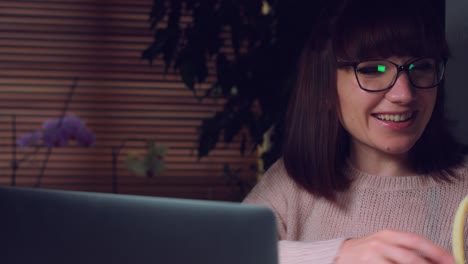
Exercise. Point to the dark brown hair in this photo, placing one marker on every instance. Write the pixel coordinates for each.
(316, 145)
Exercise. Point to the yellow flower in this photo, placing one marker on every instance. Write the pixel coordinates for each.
(265, 8)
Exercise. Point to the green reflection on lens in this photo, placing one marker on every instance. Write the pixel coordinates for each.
(411, 67)
(381, 68)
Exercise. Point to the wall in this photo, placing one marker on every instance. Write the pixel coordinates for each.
(457, 70)
(45, 45)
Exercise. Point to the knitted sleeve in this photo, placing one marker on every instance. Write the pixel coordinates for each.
(275, 190)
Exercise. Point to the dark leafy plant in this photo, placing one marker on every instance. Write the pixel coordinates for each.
(254, 78)
(233, 178)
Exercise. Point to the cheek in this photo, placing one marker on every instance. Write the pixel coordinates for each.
(349, 112)
(343, 111)
(344, 86)
(354, 104)
(429, 100)
(434, 98)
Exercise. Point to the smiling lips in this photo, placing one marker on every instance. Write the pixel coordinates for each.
(394, 117)
(396, 121)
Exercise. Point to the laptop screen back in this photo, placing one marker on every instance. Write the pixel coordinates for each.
(46, 226)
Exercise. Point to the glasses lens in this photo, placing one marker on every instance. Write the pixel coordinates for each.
(375, 75)
(426, 72)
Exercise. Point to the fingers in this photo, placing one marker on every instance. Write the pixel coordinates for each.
(393, 247)
(403, 256)
(419, 244)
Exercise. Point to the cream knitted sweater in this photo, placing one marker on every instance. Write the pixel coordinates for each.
(311, 230)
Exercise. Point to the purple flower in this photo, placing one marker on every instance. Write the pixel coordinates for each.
(30, 139)
(71, 125)
(57, 133)
(85, 137)
(54, 138)
(67, 126)
(50, 124)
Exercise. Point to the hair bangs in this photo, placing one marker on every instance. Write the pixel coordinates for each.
(402, 30)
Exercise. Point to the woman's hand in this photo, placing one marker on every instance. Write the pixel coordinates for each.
(394, 247)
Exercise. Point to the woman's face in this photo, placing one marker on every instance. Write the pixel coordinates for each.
(386, 122)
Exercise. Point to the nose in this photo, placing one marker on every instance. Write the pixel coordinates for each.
(402, 91)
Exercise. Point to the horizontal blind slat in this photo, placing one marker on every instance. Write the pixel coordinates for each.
(46, 45)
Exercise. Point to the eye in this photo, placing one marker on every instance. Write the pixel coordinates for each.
(422, 65)
(372, 68)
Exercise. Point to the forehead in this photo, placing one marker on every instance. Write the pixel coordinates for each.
(400, 60)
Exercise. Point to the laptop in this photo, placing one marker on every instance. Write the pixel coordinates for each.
(56, 227)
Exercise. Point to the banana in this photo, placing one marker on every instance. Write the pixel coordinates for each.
(458, 233)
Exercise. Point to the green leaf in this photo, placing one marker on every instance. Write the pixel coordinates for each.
(135, 165)
(158, 167)
(150, 164)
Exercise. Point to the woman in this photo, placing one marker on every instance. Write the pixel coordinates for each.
(370, 173)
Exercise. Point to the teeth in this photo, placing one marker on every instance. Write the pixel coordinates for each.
(395, 118)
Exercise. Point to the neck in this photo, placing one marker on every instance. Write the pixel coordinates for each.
(380, 164)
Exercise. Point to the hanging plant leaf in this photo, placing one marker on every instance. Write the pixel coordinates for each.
(233, 126)
(264, 56)
(170, 47)
(209, 133)
(201, 68)
(161, 38)
(207, 25)
(174, 14)
(188, 73)
(214, 92)
(158, 10)
(224, 74)
(207, 141)
(243, 145)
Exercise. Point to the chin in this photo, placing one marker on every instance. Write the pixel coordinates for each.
(398, 149)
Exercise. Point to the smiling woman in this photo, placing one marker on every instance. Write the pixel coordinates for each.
(385, 121)
(370, 172)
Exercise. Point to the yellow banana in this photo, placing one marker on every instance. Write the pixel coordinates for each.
(458, 233)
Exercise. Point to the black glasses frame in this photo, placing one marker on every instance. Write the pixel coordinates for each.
(400, 68)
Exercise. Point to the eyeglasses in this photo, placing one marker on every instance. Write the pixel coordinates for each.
(381, 75)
